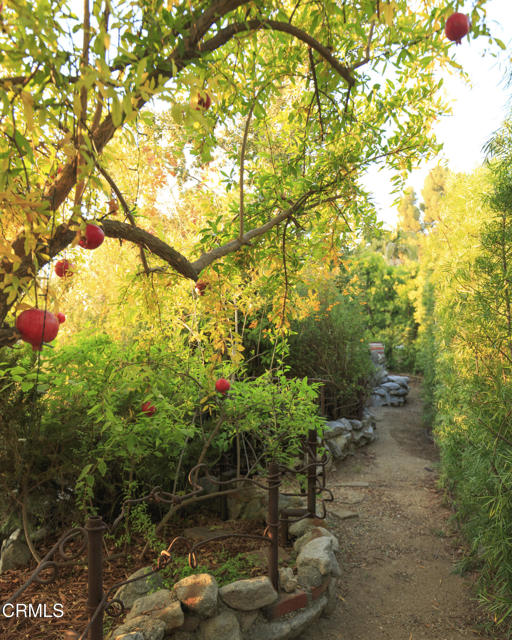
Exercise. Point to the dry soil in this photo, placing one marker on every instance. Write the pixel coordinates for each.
(399, 553)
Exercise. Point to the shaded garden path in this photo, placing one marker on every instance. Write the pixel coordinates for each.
(398, 554)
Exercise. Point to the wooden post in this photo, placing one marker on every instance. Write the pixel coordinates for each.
(312, 473)
(273, 524)
(95, 528)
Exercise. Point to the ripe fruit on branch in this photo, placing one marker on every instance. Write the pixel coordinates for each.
(37, 326)
(63, 268)
(456, 27)
(61, 318)
(200, 287)
(148, 408)
(94, 236)
(203, 101)
(222, 385)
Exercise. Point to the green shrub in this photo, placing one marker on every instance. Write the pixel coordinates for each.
(330, 345)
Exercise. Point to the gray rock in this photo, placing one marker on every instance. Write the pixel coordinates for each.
(14, 552)
(182, 635)
(357, 425)
(148, 629)
(133, 635)
(390, 386)
(250, 594)
(289, 502)
(249, 503)
(224, 626)
(332, 598)
(336, 428)
(397, 402)
(359, 438)
(191, 622)
(300, 527)
(309, 576)
(380, 391)
(399, 392)
(287, 581)
(130, 592)
(339, 445)
(247, 618)
(343, 514)
(312, 534)
(198, 594)
(162, 604)
(319, 554)
(401, 380)
(377, 401)
(289, 627)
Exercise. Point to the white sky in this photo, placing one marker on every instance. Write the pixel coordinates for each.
(478, 110)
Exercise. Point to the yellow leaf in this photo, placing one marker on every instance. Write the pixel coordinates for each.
(388, 11)
(28, 107)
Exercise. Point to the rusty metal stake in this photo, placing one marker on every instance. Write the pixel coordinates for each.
(312, 441)
(273, 524)
(95, 528)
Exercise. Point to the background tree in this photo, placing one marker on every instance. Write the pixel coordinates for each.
(409, 213)
(434, 190)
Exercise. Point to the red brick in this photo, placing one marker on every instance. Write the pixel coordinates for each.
(287, 602)
(316, 592)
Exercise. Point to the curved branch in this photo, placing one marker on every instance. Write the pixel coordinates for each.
(253, 25)
(219, 252)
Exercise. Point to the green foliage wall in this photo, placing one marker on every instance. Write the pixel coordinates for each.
(466, 349)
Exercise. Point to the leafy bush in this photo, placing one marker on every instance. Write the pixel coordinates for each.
(330, 345)
(271, 412)
(466, 345)
(90, 436)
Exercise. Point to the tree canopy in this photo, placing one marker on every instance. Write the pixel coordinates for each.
(303, 95)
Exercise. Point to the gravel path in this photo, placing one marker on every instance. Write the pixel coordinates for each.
(399, 552)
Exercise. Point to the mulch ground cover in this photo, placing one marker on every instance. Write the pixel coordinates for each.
(70, 585)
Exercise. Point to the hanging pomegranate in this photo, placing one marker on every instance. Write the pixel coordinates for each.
(148, 408)
(200, 287)
(94, 236)
(203, 101)
(37, 326)
(63, 268)
(457, 26)
(222, 385)
(61, 318)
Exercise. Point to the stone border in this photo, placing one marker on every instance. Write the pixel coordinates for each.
(251, 609)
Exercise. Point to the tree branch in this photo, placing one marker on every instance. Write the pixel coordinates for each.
(253, 25)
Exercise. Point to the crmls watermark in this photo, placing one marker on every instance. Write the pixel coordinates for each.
(22, 610)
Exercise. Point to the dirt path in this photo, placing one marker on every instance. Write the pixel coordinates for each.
(397, 556)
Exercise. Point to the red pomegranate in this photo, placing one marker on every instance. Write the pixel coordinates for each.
(203, 101)
(222, 385)
(37, 326)
(200, 287)
(63, 268)
(456, 27)
(61, 318)
(94, 236)
(148, 408)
